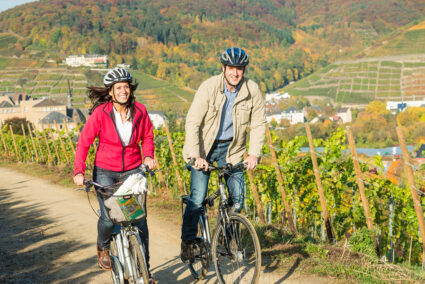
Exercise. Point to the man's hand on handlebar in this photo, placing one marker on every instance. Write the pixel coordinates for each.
(79, 179)
(251, 162)
(200, 163)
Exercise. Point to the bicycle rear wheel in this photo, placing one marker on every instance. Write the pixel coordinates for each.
(236, 251)
(139, 262)
(199, 267)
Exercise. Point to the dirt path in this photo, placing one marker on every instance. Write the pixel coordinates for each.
(48, 235)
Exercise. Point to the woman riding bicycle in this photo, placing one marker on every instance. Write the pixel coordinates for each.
(121, 124)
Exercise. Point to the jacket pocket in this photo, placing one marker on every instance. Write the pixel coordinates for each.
(211, 114)
(244, 114)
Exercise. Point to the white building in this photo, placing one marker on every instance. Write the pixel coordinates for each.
(293, 115)
(157, 118)
(400, 105)
(345, 114)
(90, 60)
(277, 97)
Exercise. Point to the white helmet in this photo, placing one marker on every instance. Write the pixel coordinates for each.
(117, 75)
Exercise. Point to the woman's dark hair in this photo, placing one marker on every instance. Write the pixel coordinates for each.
(100, 95)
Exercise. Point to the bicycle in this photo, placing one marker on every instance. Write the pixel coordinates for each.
(234, 248)
(127, 250)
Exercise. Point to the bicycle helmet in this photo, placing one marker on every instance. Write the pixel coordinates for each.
(117, 75)
(234, 56)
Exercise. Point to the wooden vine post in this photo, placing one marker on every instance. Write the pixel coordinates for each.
(359, 179)
(89, 165)
(25, 139)
(416, 201)
(280, 181)
(3, 140)
(69, 138)
(39, 145)
(14, 143)
(49, 153)
(254, 189)
(61, 142)
(33, 143)
(328, 225)
(161, 177)
(54, 144)
(173, 155)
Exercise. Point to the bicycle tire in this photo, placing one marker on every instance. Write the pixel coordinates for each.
(199, 267)
(117, 273)
(139, 262)
(236, 251)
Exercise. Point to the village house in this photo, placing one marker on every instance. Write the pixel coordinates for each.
(345, 114)
(157, 118)
(291, 114)
(90, 60)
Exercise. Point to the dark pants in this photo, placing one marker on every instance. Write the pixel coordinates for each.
(199, 189)
(105, 227)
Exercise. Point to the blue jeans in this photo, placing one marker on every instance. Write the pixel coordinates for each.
(199, 188)
(105, 227)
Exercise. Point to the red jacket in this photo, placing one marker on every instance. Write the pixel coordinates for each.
(111, 153)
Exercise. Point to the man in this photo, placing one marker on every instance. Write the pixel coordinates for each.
(216, 129)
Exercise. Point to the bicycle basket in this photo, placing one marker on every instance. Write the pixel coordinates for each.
(124, 208)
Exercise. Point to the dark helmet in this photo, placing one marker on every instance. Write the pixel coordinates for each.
(234, 56)
(117, 75)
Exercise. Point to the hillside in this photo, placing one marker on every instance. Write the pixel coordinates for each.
(45, 78)
(393, 70)
(180, 41)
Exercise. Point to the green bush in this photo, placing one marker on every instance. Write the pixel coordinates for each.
(362, 242)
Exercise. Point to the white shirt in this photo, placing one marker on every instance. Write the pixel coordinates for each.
(123, 128)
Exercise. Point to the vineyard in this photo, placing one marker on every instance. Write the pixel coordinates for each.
(330, 195)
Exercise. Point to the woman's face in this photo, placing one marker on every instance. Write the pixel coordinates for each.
(120, 92)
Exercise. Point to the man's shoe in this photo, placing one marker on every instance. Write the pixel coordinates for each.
(187, 254)
(104, 258)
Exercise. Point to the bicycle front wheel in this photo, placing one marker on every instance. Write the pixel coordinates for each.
(139, 263)
(236, 251)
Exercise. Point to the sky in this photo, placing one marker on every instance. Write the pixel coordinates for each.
(7, 4)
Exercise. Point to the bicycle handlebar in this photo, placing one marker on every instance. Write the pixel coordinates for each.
(227, 168)
(89, 183)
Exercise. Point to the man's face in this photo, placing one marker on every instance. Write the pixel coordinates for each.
(120, 92)
(233, 74)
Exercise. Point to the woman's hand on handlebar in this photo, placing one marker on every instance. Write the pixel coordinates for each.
(150, 163)
(79, 179)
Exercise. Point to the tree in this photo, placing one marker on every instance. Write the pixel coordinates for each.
(16, 123)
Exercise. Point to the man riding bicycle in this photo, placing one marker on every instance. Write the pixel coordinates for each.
(216, 129)
(121, 124)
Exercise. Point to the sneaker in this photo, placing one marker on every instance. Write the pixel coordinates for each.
(187, 254)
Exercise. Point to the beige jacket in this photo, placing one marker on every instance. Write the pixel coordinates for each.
(204, 116)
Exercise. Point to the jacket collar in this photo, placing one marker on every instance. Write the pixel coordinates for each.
(243, 89)
(109, 107)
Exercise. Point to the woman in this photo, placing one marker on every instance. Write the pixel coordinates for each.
(120, 123)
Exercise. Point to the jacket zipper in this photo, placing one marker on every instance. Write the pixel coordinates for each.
(112, 116)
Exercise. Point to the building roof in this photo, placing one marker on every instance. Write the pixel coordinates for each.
(55, 116)
(48, 102)
(343, 109)
(291, 110)
(5, 104)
